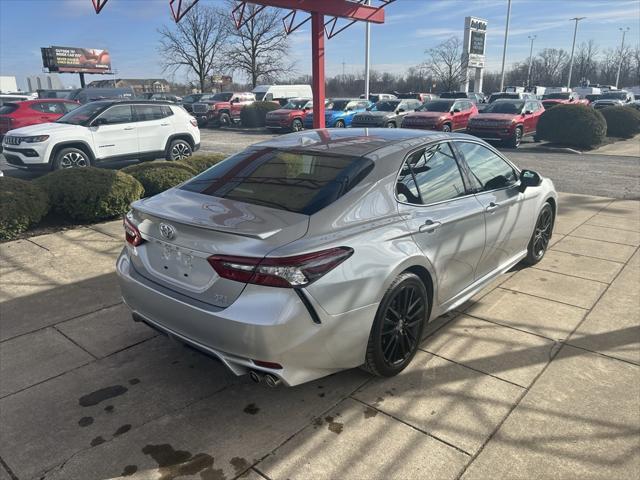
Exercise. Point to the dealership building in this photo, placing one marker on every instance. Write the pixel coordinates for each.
(139, 85)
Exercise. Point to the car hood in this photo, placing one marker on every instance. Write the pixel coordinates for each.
(426, 115)
(281, 112)
(378, 115)
(608, 101)
(44, 129)
(494, 116)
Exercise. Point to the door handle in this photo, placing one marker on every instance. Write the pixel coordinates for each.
(164, 124)
(129, 128)
(429, 226)
(492, 206)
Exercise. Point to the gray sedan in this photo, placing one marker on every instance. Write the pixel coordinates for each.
(385, 113)
(330, 249)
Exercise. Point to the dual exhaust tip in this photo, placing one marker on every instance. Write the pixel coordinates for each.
(270, 380)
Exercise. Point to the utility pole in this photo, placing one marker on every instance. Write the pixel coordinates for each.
(573, 47)
(624, 32)
(532, 38)
(343, 64)
(367, 48)
(504, 49)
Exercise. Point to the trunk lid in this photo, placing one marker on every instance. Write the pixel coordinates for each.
(182, 229)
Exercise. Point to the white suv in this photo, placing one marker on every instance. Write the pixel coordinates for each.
(105, 130)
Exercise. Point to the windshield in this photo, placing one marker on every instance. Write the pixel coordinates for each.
(295, 104)
(222, 97)
(386, 106)
(302, 182)
(497, 96)
(259, 95)
(504, 107)
(435, 106)
(339, 105)
(614, 95)
(80, 115)
(453, 95)
(556, 96)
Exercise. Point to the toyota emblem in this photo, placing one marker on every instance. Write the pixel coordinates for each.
(167, 231)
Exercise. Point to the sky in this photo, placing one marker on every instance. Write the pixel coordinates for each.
(128, 28)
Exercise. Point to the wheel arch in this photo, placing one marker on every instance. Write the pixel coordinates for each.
(79, 144)
(179, 136)
(425, 276)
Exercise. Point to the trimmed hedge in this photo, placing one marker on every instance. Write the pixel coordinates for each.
(621, 121)
(573, 125)
(138, 168)
(200, 163)
(158, 179)
(22, 204)
(90, 194)
(255, 114)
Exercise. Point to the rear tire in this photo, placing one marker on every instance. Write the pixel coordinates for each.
(446, 128)
(541, 236)
(179, 150)
(224, 120)
(70, 158)
(340, 124)
(296, 125)
(397, 328)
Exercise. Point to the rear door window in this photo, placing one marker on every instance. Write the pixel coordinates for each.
(301, 182)
(146, 113)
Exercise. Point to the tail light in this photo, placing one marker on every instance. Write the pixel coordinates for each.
(193, 121)
(286, 272)
(131, 233)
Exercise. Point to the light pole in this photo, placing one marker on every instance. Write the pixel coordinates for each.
(624, 32)
(504, 49)
(573, 47)
(532, 38)
(367, 49)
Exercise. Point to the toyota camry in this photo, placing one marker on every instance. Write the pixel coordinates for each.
(325, 250)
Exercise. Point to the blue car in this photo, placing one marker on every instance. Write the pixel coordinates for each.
(339, 112)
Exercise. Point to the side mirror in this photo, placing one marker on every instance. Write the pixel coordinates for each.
(100, 121)
(456, 110)
(528, 112)
(400, 110)
(529, 178)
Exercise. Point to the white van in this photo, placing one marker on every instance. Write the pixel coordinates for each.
(275, 93)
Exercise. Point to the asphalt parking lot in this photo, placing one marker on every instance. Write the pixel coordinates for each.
(536, 377)
(599, 174)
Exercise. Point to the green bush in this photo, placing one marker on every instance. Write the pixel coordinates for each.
(22, 204)
(621, 121)
(255, 114)
(200, 163)
(136, 169)
(573, 125)
(90, 194)
(161, 178)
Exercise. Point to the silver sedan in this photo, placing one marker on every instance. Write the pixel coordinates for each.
(330, 249)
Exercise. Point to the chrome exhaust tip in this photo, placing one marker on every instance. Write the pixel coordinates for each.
(271, 380)
(255, 376)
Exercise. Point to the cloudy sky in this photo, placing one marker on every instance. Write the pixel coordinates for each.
(128, 28)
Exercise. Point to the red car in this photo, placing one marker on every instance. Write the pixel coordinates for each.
(31, 112)
(507, 121)
(222, 109)
(446, 115)
(552, 99)
(291, 116)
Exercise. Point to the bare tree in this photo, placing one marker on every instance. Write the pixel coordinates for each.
(550, 65)
(196, 44)
(585, 60)
(259, 49)
(444, 63)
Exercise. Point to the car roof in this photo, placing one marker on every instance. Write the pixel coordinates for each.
(37, 100)
(355, 142)
(117, 101)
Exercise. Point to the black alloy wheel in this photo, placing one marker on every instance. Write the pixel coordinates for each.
(541, 236)
(446, 128)
(398, 326)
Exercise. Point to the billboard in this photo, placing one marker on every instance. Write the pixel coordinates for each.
(76, 60)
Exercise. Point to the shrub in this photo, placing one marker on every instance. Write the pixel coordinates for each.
(200, 163)
(90, 194)
(574, 125)
(621, 121)
(163, 177)
(136, 169)
(22, 204)
(255, 115)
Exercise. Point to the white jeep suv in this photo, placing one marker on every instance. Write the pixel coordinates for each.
(105, 130)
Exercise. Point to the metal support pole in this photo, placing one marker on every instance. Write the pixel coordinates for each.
(317, 58)
(82, 85)
(532, 38)
(624, 32)
(504, 49)
(367, 51)
(573, 48)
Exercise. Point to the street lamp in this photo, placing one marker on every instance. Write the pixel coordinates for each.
(624, 32)
(504, 49)
(573, 47)
(367, 54)
(532, 38)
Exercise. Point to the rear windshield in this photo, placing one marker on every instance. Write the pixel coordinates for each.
(496, 96)
(8, 108)
(301, 182)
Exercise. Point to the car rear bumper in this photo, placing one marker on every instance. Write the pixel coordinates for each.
(264, 323)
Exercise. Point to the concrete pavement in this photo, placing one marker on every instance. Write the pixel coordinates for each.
(538, 376)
